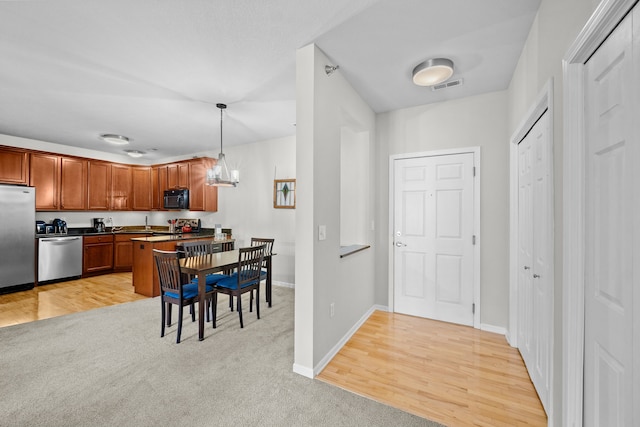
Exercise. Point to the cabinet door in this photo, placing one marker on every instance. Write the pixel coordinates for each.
(120, 187)
(158, 185)
(141, 188)
(73, 184)
(99, 185)
(123, 251)
(183, 175)
(14, 166)
(98, 254)
(44, 175)
(172, 176)
(197, 176)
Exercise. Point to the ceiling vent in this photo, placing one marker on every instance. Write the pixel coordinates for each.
(447, 85)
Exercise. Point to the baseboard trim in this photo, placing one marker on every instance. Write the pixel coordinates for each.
(303, 370)
(336, 348)
(495, 329)
(283, 284)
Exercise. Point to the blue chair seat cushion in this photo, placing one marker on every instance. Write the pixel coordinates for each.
(188, 291)
(212, 279)
(231, 282)
(263, 275)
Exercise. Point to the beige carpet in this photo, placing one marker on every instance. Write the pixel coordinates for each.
(109, 367)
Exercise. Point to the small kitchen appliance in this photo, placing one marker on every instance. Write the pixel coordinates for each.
(98, 224)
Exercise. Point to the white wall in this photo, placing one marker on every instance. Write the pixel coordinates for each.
(247, 209)
(555, 28)
(325, 105)
(474, 121)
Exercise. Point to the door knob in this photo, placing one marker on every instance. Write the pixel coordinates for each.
(400, 244)
(536, 276)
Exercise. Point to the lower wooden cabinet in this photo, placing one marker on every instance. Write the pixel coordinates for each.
(97, 254)
(123, 251)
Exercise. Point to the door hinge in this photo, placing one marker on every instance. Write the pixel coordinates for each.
(473, 239)
(473, 308)
(474, 171)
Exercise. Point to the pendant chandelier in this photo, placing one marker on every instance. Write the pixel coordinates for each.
(219, 175)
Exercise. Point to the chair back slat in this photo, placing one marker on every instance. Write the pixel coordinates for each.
(268, 246)
(198, 247)
(168, 271)
(249, 264)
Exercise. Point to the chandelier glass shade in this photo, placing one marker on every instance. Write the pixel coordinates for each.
(220, 175)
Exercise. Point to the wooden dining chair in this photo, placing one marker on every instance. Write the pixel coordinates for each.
(265, 272)
(246, 278)
(174, 289)
(203, 247)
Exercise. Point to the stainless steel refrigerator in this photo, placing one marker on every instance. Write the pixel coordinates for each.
(17, 244)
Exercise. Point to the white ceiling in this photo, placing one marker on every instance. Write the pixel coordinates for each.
(153, 70)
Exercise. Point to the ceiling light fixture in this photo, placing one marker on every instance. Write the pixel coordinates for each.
(134, 153)
(115, 139)
(219, 175)
(432, 71)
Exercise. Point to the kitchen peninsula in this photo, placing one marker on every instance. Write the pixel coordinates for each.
(145, 276)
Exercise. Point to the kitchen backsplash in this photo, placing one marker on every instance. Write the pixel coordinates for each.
(128, 218)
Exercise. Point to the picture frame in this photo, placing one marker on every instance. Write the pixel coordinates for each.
(284, 193)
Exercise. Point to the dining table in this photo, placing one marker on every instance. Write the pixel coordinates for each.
(201, 265)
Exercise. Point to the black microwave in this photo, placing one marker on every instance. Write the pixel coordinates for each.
(176, 199)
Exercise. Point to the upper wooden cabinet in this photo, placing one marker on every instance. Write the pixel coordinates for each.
(178, 175)
(44, 175)
(99, 184)
(78, 184)
(141, 188)
(121, 185)
(202, 197)
(14, 166)
(73, 183)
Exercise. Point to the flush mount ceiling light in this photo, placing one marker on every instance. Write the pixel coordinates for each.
(432, 71)
(134, 153)
(219, 175)
(115, 139)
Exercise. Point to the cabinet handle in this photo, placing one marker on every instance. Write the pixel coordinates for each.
(536, 276)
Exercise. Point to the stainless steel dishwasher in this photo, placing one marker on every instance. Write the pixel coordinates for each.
(59, 257)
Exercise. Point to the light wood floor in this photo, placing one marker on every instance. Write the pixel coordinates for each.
(455, 375)
(68, 297)
(451, 374)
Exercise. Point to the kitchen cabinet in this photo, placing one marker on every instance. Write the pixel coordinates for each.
(178, 175)
(123, 251)
(97, 254)
(14, 166)
(99, 185)
(121, 184)
(44, 174)
(141, 189)
(73, 183)
(158, 185)
(202, 197)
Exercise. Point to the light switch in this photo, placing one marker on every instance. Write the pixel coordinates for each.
(322, 232)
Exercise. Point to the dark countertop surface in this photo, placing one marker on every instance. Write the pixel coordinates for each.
(152, 231)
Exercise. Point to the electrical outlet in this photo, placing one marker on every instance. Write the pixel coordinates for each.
(333, 308)
(110, 220)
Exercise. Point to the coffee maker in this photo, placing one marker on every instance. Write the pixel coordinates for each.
(98, 224)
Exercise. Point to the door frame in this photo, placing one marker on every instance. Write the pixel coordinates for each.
(476, 220)
(604, 19)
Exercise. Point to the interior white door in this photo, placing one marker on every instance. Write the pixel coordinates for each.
(610, 219)
(433, 241)
(535, 240)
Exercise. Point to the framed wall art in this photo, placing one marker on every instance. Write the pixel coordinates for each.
(284, 193)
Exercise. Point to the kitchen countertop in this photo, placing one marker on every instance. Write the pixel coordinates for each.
(154, 231)
(182, 236)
